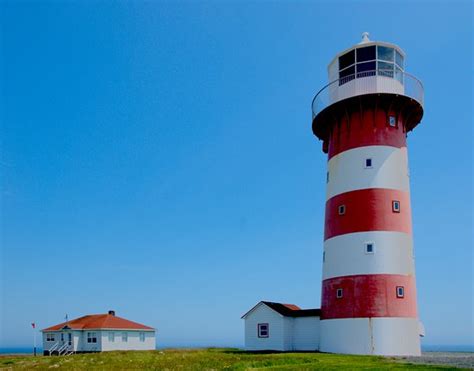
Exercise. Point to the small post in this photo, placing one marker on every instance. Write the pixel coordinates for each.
(34, 338)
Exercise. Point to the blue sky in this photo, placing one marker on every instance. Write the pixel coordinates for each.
(157, 159)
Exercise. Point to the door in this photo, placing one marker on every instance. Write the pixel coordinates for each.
(69, 339)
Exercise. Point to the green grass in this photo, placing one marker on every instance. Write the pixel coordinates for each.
(206, 359)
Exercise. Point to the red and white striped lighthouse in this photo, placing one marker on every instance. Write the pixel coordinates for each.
(363, 116)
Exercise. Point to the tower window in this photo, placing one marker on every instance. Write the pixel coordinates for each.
(392, 121)
(368, 163)
(341, 209)
(396, 206)
(327, 177)
(369, 248)
(400, 292)
(339, 293)
(263, 330)
(324, 256)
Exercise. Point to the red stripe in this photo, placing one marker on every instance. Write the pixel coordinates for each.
(368, 296)
(367, 210)
(368, 128)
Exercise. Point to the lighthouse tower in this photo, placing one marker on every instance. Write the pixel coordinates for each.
(363, 116)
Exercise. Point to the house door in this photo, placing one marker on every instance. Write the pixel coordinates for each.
(69, 339)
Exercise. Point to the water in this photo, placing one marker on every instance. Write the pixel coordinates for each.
(20, 350)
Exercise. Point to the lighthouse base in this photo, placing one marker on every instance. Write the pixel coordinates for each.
(378, 336)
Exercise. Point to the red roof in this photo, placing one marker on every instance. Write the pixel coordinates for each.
(99, 321)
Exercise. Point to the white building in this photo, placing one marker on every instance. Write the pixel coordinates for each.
(281, 327)
(97, 333)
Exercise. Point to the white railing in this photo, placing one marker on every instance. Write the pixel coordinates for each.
(53, 348)
(368, 82)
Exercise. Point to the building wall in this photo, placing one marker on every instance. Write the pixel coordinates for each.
(285, 333)
(80, 344)
(133, 341)
(306, 333)
(380, 336)
(277, 327)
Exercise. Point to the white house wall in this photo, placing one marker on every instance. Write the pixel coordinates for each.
(263, 314)
(133, 341)
(306, 333)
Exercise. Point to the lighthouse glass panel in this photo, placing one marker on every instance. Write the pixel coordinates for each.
(399, 59)
(385, 53)
(385, 69)
(366, 54)
(365, 69)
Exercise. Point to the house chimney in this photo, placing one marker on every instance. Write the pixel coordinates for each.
(112, 312)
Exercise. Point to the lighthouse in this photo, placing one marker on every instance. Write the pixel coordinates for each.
(363, 116)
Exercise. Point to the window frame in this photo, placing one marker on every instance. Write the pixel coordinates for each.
(111, 337)
(371, 166)
(50, 336)
(392, 119)
(366, 245)
(400, 294)
(341, 209)
(91, 337)
(339, 293)
(259, 330)
(396, 206)
(141, 336)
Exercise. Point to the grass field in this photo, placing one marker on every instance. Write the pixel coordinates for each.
(206, 359)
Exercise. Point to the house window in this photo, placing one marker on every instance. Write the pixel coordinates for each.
(341, 209)
(396, 206)
(368, 163)
(49, 337)
(262, 329)
(111, 336)
(124, 336)
(339, 293)
(392, 121)
(92, 337)
(400, 292)
(62, 336)
(142, 336)
(369, 248)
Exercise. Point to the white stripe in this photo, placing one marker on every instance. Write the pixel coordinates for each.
(378, 335)
(348, 171)
(346, 254)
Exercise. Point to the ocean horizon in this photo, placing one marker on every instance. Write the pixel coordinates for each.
(424, 348)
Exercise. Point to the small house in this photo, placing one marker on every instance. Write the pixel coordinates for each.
(97, 333)
(281, 327)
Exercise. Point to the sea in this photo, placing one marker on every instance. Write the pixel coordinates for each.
(424, 348)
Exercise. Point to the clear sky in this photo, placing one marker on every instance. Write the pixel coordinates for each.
(157, 159)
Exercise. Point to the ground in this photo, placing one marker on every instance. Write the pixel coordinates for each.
(211, 359)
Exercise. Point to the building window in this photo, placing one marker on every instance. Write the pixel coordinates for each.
(324, 256)
(62, 336)
(327, 177)
(396, 206)
(341, 209)
(111, 336)
(339, 293)
(49, 337)
(368, 163)
(392, 121)
(142, 336)
(263, 330)
(369, 248)
(400, 292)
(91, 337)
(124, 336)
